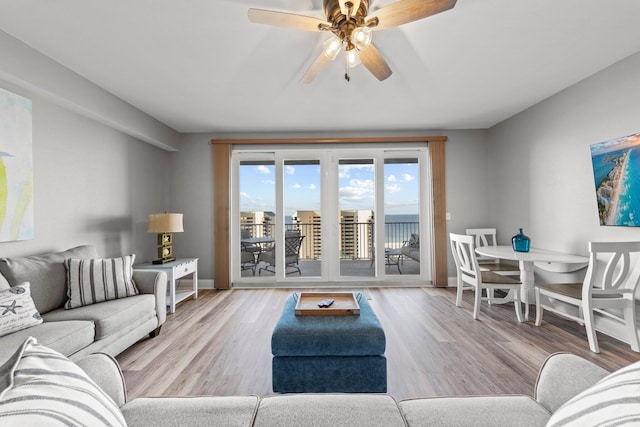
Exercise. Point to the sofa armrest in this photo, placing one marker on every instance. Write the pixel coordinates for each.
(563, 376)
(154, 282)
(191, 411)
(105, 371)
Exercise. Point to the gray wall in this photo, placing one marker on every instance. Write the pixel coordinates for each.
(92, 185)
(540, 172)
(95, 180)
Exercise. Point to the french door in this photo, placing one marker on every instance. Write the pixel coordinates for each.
(361, 216)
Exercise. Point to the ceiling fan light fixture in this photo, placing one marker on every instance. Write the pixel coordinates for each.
(361, 37)
(353, 59)
(332, 47)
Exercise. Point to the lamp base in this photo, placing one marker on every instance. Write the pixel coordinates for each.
(162, 260)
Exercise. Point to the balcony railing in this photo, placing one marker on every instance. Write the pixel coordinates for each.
(356, 238)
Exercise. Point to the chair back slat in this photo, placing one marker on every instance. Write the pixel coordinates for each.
(610, 267)
(463, 249)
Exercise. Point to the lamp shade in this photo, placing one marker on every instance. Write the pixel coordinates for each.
(164, 223)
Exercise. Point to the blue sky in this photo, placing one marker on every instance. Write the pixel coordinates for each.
(302, 188)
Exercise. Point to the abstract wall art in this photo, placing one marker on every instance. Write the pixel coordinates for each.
(16, 167)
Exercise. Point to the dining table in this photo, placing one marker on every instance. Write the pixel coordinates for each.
(556, 261)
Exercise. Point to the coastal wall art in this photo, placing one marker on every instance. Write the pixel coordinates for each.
(616, 171)
(16, 167)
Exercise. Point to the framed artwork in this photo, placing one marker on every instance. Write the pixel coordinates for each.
(16, 167)
(616, 172)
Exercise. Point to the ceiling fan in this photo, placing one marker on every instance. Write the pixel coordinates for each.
(352, 29)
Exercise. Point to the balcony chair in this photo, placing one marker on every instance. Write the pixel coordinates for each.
(249, 247)
(487, 237)
(469, 276)
(248, 259)
(605, 301)
(292, 243)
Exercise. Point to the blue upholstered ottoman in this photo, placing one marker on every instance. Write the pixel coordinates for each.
(324, 354)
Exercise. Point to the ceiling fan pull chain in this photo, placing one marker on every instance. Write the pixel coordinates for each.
(347, 77)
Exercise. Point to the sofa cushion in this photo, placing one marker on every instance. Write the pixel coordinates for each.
(614, 400)
(90, 281)
(17, 310)
(474, 411)
(42, 387)
(46, 273)
(329, 410)
(3, 283)
(227, 411)
(63, 337)
(110, 317)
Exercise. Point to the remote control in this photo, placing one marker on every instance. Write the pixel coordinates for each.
(325, 303)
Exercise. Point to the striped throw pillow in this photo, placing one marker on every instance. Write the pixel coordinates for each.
(41, 387)
(613, 401)
(90, 281)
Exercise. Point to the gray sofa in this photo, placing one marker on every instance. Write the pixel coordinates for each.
(561, 377)
(108, 327)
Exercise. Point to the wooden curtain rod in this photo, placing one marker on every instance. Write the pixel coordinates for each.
(330, 140)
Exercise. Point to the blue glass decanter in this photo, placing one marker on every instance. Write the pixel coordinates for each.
(521, 242)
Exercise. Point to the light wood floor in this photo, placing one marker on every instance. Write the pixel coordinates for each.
(220, 344)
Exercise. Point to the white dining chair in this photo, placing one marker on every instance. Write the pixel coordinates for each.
(605, 301)
(469, 275)
(487, 237)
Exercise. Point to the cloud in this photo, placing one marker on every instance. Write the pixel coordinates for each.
(363, 183)
(290, 170)
(263, 169)
(310, 187)
(296, 186)
(406, 177)
(268, 181)
(358, 189)
(245, 195)
(392, 178)
(344, 171)
(394, 188)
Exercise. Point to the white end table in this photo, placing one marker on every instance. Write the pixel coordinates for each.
(177, 269)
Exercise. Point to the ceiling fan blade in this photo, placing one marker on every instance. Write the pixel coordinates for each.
(405, 11)
(286, 20)
(373, 60)
(317, 66)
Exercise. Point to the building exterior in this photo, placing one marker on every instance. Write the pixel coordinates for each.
(259, 224)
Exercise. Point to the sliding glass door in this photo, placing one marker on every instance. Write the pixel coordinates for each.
(330, 217)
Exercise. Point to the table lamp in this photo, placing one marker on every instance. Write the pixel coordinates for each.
(164, 224)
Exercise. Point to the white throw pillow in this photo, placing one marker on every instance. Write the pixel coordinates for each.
(614, 400)
(90, 281)
(17, 310)
(41, 387)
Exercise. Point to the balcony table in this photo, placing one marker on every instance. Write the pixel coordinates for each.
(527, 260)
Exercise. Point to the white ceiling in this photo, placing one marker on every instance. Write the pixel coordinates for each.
(201, 66)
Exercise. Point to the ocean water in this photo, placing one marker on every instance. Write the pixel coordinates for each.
(628, 212)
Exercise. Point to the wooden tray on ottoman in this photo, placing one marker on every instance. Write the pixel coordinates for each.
(345, 304)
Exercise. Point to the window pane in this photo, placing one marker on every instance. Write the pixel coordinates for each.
(401, 213)
(356, 204)
(257, 217)
(303, 216)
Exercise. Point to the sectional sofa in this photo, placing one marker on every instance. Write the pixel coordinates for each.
(110, 326)
(569, 391)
